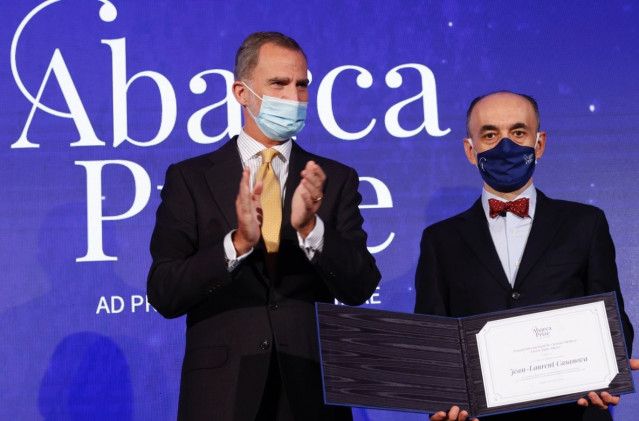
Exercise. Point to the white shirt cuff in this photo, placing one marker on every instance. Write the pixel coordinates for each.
(232, 259)
(314, 242)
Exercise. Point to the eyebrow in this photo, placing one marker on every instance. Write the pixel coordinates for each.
(487, 128)
(278, 79)
(519, 126)
(303, 82)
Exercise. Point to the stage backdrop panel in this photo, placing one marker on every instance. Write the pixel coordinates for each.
(98, 97)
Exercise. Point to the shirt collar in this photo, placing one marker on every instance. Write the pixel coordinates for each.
(530, 193)
(250, 148)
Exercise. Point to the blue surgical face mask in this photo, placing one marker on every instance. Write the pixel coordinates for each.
(508, 166)
(279, 119)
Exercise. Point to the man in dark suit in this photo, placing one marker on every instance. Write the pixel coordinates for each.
(251, 340)
(516, 247)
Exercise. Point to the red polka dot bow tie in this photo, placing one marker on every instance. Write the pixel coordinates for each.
(519, 207)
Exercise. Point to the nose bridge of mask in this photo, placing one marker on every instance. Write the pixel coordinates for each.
(512, 142)
(285, 101)
(508, 146)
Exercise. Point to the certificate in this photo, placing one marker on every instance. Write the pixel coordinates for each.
(486, 364)
(545, 354)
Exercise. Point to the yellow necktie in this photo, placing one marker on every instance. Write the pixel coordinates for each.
(271, 208)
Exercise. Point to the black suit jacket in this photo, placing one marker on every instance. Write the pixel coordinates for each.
(235, 319)
(569, 254)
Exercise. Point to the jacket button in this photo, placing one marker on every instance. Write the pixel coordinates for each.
(516, 295)
(275, 306)
(265, 344)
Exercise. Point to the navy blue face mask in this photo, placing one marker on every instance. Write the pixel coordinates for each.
(508, 166)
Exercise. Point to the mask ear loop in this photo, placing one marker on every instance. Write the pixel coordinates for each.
(252, 91)
(474, 151)
(535, 147)
(246, 106)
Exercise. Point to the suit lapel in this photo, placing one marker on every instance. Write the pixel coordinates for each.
(474, 230)
(223, 179)
(543, 230)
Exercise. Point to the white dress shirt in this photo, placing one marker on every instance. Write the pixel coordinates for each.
(510, 232)
(249, 150)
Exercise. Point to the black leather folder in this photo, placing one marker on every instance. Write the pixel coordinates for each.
(420, 363)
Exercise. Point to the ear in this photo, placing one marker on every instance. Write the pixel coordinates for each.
(240, 93)
(541, 145)
(470, 152)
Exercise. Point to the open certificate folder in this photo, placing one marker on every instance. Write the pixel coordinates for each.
(487, 364)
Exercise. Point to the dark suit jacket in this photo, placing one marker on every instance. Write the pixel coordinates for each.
(569, 254)
(236, 319)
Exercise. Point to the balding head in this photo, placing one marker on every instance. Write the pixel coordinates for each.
(474, 102)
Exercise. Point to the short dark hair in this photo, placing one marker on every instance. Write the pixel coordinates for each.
(474, 102)
(249, 52)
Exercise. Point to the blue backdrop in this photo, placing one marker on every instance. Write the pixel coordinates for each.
(100, 96)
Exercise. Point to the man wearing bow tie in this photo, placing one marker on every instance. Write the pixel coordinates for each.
(515, 247)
